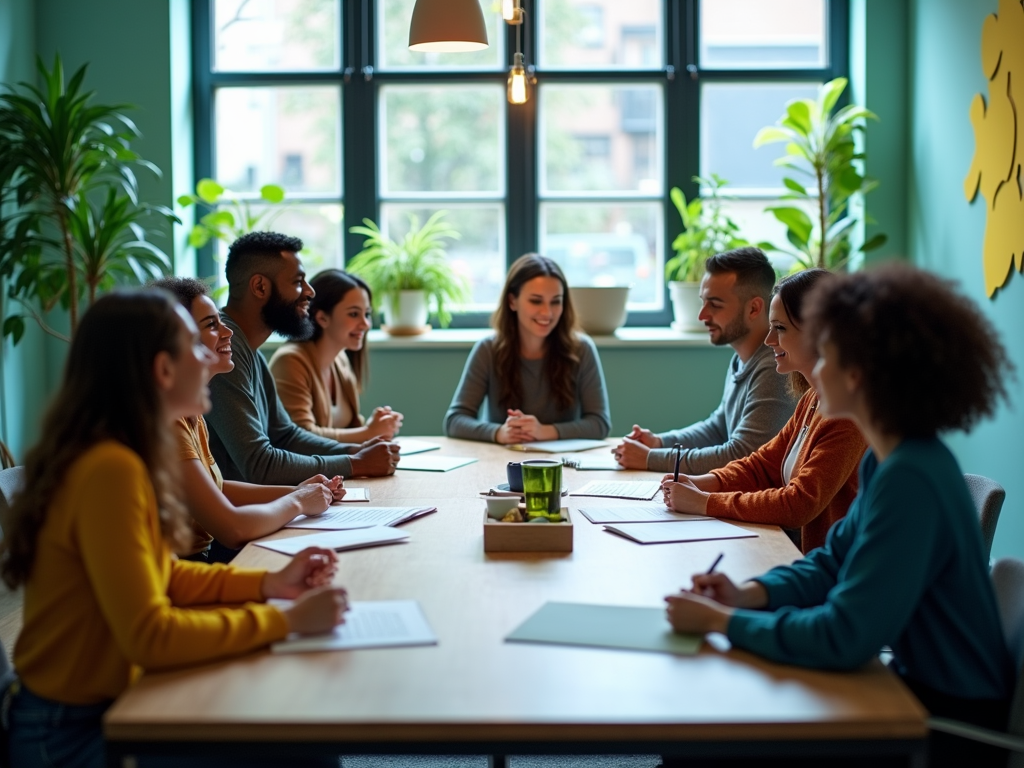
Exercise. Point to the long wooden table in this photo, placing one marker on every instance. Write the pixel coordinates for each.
(475, 694)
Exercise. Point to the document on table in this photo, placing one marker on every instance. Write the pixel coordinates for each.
(355, 494)
(369, 624)
(604, 626)
(666, 533)
(560, 446)
(434, 463)
(336, 540)
(346, 518)
(652, 513)
(641, 490)
(584, 463)
(407, 447)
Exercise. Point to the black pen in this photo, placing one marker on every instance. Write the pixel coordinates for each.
(679, 456)
(715, 564)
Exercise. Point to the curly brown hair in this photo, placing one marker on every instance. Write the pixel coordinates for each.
(929, 358)
(108, 392)
(562, 347)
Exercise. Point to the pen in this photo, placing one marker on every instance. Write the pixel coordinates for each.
(715, 564)
(679, 456)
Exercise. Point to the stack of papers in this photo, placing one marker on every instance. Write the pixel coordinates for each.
(560, 446)
(371, 624)
(600, 463)
(624, 489)
(407, 447)
(637, 514)
(347, 518)
(666, 533)
(433, 463)
(336, 540)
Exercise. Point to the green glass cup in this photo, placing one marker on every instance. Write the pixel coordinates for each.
(542, 485)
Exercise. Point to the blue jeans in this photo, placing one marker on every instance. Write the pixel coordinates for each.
(48, 734)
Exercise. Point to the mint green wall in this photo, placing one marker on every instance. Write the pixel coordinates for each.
(657, 388)
(946, 232)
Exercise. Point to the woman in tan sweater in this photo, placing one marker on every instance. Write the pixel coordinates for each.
(319, 381)
(806, 477)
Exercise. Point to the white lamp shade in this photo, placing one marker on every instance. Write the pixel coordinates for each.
(447, 25)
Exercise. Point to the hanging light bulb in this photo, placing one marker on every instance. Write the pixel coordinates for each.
(517, 86)
(508, 10)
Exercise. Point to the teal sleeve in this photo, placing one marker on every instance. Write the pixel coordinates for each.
(879, 581)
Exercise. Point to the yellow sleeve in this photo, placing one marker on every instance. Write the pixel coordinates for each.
(130, 572)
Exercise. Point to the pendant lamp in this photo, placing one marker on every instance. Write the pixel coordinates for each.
(447, 25)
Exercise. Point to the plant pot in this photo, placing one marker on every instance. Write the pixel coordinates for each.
(686, 305)
(406, 313)
(600, 311)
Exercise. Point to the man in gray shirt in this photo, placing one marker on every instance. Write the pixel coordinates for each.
(252, 437)
(755, 405)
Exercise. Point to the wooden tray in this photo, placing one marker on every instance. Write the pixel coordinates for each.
(528, 537)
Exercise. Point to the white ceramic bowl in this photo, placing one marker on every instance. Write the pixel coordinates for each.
(499, 506)
(600, 311)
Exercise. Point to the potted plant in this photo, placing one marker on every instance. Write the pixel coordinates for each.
(76, 226)
(820, 146)
(411, 278)
(228, 215)
(706, 231)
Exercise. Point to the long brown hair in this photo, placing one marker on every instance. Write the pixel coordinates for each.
(792, 291)
(561, 349)
(108, 393)
(331, 286)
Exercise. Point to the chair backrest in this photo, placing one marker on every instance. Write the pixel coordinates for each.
(12, 481)
(988, 498)
(1008, 581)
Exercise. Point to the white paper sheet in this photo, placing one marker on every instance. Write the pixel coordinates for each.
(369, 624)
(638, 514)
(560, 446)
(641, 490)
(355, 494)
(336, 540)
(666, 533)
(593, 463)
(406, 447)
(433, 463)
(346, 518)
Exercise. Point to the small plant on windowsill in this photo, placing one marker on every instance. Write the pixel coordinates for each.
(411, 277)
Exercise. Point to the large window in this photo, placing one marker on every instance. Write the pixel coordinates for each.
(631, 98)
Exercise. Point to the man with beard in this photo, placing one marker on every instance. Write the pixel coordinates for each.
(252, 437)
(735, 292)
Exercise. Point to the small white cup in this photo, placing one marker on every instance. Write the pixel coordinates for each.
(499, 506)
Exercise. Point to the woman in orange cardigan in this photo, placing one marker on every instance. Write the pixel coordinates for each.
(319, 380)
(806, 477)
(90, 540)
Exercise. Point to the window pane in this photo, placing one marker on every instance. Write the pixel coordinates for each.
(731, 115)
(758, 226)
(288, 136)
(319, 226)
(763, 34)
(393, 17)
(276, 35)
(601, 34)
(601, 138)
(607, 244)
(442, 139)
(478, 255)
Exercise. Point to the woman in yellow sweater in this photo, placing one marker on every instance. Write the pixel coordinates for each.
(91, 536)
(226, 514)
(319, 380)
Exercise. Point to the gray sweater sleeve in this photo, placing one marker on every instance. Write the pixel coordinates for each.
(462, 417)
(595, 419)
(267, 448)
(764, 412)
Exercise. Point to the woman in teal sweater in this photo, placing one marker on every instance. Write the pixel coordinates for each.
(905, 357)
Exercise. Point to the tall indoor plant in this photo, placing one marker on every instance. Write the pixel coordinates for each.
(410, 277)
(820, 147)
(72, 223)
(706, 231)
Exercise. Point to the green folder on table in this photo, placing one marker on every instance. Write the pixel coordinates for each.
(604, 626)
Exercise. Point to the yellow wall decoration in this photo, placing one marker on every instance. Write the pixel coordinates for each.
(997, 170)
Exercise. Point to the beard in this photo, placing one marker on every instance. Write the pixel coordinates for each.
(283, 317)
(734, 331)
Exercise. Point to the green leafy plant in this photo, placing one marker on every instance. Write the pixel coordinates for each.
(820, 147)
(73, 223)
(230, 216)
(417, 263)
(706, 231)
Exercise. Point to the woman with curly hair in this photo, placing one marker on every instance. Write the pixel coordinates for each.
(541, 377)
(906, 358)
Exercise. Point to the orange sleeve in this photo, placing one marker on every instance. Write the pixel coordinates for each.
(833, 452)
(127, 564)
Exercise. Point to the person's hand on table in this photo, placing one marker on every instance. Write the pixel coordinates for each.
(375, 458)
(631, 453)
(720, 588)
(528, 427)
(318, 611)
(336, 485)
(384, 422)
(510, 432)
(313, 567)
(684, 496)
(312, 499)
(696, 615)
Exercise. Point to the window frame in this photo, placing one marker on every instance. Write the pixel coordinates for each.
(359, 79)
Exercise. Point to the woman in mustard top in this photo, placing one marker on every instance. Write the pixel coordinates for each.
(91, 536)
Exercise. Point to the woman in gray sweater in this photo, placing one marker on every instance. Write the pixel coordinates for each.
(542, 379)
